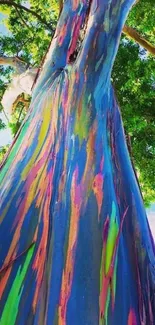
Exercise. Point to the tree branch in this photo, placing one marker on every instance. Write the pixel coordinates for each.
(18, 64)
(19, 6)
(60, 6)
(22, 19)
(3, 110)
(133, 34)
(6, 60)
(21, 99)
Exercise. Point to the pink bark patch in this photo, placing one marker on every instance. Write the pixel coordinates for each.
(62, 34)
(98, 191)
(76, 27)
(132, 318)
(75, 4)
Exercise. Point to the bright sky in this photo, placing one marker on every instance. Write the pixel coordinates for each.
(5, 138)
(5, 135)
(3, 29)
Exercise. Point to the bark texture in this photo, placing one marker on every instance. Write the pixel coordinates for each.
(76, 248)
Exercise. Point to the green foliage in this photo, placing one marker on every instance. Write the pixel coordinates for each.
(133, 74)
(2, 124)
(17, 118)
(3, 151)
(29, 38)
(142, 17)
(134, 82)
(19, 113)
(5, 77)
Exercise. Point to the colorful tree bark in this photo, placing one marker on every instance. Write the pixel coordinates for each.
(75, 245)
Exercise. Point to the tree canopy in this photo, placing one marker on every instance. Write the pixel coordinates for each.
(31, 26)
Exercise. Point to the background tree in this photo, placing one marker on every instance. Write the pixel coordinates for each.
(133, 72)
(134, 80)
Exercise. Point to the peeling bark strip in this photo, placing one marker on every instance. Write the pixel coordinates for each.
(68, 186)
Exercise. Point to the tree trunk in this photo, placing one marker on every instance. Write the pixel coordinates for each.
(22, 82)
(76, 247)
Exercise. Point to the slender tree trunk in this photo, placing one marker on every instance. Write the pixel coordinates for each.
(75, 242)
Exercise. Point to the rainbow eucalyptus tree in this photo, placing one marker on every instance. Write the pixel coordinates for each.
(75, 245)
